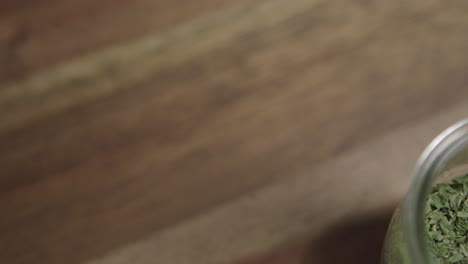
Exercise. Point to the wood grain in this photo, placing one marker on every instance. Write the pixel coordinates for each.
(35, 35)
(121, 120)
(342, 203)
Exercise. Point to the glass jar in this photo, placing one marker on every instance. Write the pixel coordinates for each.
(443, 160)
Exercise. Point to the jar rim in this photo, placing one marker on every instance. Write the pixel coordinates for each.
(426, 170)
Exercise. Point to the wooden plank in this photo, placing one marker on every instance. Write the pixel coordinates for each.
(105, 72)
(101, 151)
(334, 212)
(36, 35)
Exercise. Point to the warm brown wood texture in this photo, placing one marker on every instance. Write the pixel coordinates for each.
(122, 120)
(335, 212)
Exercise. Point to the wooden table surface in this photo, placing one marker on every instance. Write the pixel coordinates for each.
(213, 131)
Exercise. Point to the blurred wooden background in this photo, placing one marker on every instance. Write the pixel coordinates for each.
(213, 131)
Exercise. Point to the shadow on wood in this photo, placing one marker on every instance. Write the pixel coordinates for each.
(352, 241)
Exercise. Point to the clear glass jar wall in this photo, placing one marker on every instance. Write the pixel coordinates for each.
(443, 160)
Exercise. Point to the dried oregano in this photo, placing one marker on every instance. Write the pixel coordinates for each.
(446, 222)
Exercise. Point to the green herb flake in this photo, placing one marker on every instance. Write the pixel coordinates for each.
(446, 222)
